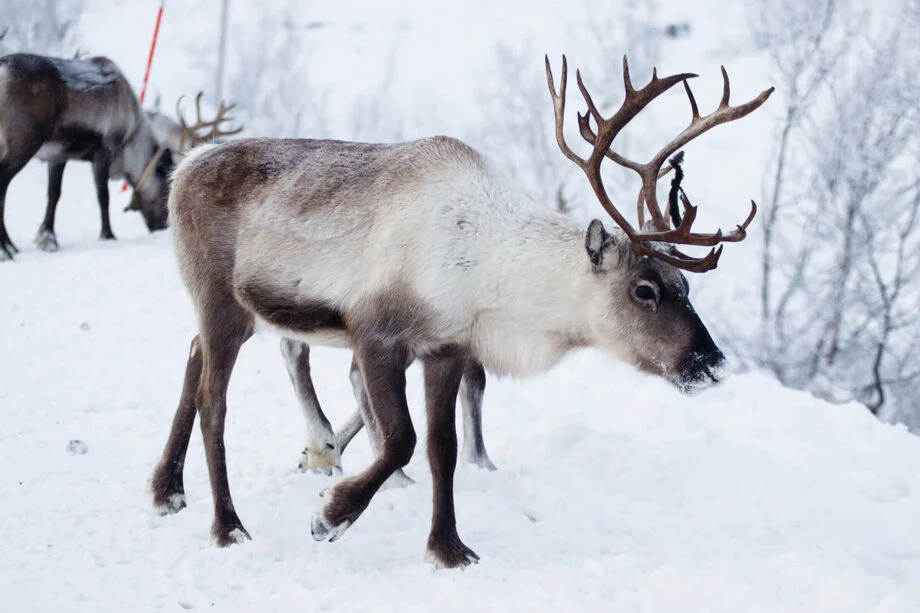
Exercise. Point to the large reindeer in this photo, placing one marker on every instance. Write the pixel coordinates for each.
(79, 109)
(419, 250)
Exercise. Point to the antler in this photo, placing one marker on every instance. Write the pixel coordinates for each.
(607, 131)
(191, 135)
(3, 34)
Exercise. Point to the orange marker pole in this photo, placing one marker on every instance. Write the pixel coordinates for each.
(153, 46)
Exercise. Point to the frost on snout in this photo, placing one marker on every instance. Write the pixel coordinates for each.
(703, 365)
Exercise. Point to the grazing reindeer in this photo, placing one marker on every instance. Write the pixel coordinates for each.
(419, 250)
(84, 109)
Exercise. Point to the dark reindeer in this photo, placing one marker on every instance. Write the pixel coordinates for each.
(419, 250)
(80, 109)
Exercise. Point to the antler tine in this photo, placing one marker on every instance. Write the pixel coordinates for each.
(592, 109)
(627, 82)
(726, 88)
(591, 166)
(198, 97)
(559, 108)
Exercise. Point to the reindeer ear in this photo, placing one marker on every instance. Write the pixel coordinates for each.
(595, 240)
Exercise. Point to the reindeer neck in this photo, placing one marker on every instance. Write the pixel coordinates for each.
(537, 296)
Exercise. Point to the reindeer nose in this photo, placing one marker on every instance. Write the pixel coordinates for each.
(703, 363)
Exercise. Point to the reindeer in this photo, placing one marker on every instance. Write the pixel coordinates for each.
(79, 109)
(421, 250)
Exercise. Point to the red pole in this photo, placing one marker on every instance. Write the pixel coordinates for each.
(153, 46)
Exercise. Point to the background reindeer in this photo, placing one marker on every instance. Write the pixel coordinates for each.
(80, 109)
(419, 250)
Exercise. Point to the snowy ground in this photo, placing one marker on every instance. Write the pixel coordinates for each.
(614, 492)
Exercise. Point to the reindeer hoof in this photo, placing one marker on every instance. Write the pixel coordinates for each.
(7, 248)
(321, 459)
(448, 551)
(322, 531)
(482, 461)
(46, 241)
(169, 505)
(324, 528)
(233, 533)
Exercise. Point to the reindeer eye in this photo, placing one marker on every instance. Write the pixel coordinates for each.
(644, 292)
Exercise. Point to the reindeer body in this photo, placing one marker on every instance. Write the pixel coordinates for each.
(61, 110)
(439, 244)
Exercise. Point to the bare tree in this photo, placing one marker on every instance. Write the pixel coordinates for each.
(805, 42)
(841, 260)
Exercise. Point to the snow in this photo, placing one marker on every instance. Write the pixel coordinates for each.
(614, 492)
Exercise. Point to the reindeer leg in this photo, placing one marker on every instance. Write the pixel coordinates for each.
(442, 381)
(225, 328)
(366, 417)
(384, 369)
(321, 453)
(101, 163)
(166, 484)
(45, 239)
(7, 248)
(472, 387)
(349, 429)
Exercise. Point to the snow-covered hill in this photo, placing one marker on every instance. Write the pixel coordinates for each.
(614, 492)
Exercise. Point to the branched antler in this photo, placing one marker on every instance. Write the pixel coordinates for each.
(191, 136)
(651, 172)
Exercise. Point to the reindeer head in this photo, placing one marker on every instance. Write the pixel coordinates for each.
(643, 311)
(151, 192)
